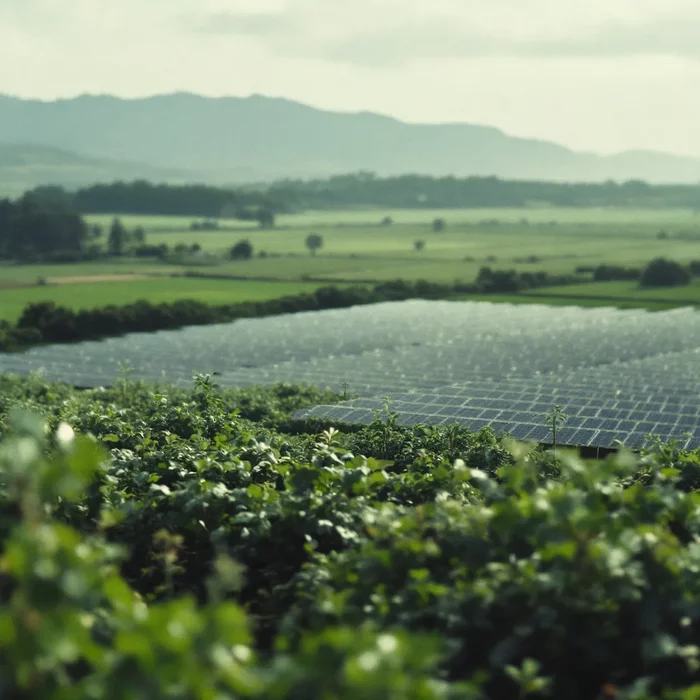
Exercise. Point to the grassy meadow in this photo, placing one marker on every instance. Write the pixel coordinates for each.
(81, 295)
(357, 248)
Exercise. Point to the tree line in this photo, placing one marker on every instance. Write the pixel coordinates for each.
(262, 203)
(145, 198)
(42, 224)
(45, 322)
(420, 191)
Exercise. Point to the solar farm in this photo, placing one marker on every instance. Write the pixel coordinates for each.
(620, 376)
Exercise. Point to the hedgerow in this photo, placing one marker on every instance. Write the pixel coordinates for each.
(45, 322)
(157, 542)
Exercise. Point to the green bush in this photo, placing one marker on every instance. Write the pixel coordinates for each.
(71, 627)
(664, 273)
(166, 546)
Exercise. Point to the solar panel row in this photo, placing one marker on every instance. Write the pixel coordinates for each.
(617, 374)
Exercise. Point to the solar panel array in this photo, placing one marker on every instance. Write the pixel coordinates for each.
(618, 374)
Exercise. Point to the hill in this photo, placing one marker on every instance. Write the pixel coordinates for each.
(24, 166)
(260, 138)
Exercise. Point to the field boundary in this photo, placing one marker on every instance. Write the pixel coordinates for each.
(626, 300)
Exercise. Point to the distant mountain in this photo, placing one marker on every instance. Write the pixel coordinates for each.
(260, 138)
(24, 166)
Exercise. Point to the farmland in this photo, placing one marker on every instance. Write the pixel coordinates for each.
(356, 248)
(194, 542)
(429, 558)
(76, 294)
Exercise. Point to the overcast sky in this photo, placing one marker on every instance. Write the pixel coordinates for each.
(594, 75)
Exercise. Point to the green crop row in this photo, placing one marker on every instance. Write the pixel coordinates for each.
(170, 543)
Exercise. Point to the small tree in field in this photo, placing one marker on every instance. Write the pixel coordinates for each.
(243, 250)
(439, 225)
(139, 235)
(117, 238)
(419, 246)
(314, 242)
(266, 217)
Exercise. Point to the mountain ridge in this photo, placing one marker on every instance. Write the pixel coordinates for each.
(260, 138)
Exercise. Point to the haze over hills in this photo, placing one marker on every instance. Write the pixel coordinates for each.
(23, 166)
(232, 140)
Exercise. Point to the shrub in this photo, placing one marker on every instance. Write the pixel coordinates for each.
(608, 273)
(243, 250)
(158, 544)
(664, 273)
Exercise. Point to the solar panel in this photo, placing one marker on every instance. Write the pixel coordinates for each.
(617, 374)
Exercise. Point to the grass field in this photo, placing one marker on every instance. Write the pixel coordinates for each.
(625, 291)
(358, 249)
(96, 294)
(10, 274)
(362, 251)
(562, 300)
(370, 217)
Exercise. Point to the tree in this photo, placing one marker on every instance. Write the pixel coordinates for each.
(439, 225)
(266, 217)
(419, 245)
(139, 235)
(243, 250)
(387, 221)
(314, 242)
(195, 248)
(664, 273)
(117, 238)
(40, 224)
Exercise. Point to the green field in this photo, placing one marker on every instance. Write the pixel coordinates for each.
(358, 249)
(30, 273)
(371, 217)
(91, 295)
(624, 291)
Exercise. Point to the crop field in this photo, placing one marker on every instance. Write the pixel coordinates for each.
(623, 291)
(78, 294)
(383, 502)
(370, 217)
(11, 274)
(356, 247)
(162, 542)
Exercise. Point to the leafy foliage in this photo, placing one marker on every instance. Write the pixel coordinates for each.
(664, 273)
(243, 250)
(46, 322)
(39, 225)
(314, 242)
(157, 542)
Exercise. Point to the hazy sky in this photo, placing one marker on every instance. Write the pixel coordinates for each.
(599, 75)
